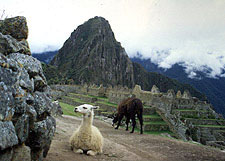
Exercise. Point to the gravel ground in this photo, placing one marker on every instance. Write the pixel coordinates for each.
(120, 145)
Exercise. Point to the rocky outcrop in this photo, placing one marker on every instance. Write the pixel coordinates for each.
(26, 122)
(13, 35)
(15, 27)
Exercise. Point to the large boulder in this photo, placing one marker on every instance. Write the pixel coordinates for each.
(8, 135)
(16, 27)
(13, 35)
(26, 122)
(11, 45)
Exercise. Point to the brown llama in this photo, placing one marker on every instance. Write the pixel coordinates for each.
(129, 108)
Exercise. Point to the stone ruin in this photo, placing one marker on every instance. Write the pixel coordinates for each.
(184, 114)
(26, 122)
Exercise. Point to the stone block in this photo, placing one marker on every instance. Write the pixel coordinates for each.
(8, 136)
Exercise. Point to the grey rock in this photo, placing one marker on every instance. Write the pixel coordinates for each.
(39, 83)
(37, 155)
(42, 103)
(6, 155)
(20, 101)
(22, 153)
(22, 128)
(43, 130)
(6, 102)
(25, 103)
(32, 113)
(56, 108)
(7, 75)
(16, 27)
(8, 64)
(11, 45)
(8, 136)
(29, 99)
(25, 82)
(31, 64)
(41, 136)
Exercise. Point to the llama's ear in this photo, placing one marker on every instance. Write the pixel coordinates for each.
(95, 107)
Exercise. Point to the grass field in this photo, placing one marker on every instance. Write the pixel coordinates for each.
(68, 109)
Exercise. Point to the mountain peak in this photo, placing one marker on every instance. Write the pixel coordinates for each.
(92, 55)
(94, 27)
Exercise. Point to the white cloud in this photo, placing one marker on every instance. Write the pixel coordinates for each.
(182, 31)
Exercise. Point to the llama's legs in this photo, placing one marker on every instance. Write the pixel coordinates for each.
(90, 152)
(79, 151)
(119, 121)
(140, 118)
(133, 123)
(127, 122)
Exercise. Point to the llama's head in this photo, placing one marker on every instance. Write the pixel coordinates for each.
(85, 109)
(115, 119)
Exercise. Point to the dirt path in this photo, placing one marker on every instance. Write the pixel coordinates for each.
(120, 145)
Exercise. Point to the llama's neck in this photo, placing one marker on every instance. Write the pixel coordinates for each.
(87, 120)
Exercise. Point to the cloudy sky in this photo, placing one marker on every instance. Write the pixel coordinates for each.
(191, 32)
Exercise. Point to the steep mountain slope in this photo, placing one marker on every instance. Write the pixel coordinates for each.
(92, 55)
(212, 88)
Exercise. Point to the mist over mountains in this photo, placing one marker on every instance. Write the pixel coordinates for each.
(213, 88)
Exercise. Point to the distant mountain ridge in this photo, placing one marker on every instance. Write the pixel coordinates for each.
(213, 88)
(45, 57)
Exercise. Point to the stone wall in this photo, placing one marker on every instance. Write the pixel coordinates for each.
(149, 98)
(26, 124)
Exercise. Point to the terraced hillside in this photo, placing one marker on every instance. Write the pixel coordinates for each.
(153, 123)
(203, 126)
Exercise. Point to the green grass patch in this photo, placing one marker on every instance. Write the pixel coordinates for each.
(151, 116)
(203, 119)
(190, 110)
(107, 103)
(100, 98)
(215, 126)
(155, 132)
(185, 110)
(155, 123)
(75, 94)
(101, 110)
(68, 109)
(107, 113)
(78, 100)
(158, 132)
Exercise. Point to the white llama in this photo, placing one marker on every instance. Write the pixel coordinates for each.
(87, 138)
